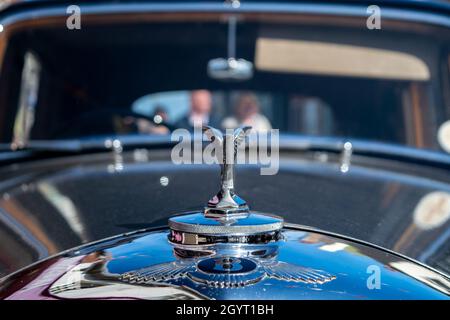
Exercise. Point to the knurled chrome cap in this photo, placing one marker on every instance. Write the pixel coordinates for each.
(198, 228)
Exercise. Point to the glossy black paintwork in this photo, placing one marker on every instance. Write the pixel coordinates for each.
(51, 205)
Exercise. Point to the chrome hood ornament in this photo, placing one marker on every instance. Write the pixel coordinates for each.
(227, 217)
(226, 201)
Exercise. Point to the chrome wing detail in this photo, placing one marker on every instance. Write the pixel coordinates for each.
(291, 272)
(158, 272)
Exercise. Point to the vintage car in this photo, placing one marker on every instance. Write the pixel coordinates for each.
(95, 95)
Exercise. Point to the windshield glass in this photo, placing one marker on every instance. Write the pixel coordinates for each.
(149, 78)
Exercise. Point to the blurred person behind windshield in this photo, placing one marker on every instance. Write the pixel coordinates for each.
(247, 112)
(200, 111)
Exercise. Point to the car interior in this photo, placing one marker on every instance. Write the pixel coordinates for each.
(88, 81)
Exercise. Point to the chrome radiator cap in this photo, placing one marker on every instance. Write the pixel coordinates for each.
(198, 229)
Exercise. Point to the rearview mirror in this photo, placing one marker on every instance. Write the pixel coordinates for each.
(230, 69)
